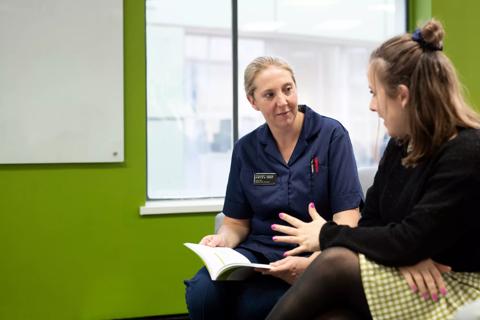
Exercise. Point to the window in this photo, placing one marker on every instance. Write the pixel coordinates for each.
(190, 85)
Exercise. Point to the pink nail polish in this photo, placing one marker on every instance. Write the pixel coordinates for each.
(425, 296)
(274, 238)
(312, 205)
(273, 227)
(434, 297)
(443, 291)
(280, 215)
(414, 288)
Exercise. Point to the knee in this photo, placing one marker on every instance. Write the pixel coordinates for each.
(338, 261)
(201, 295)
(191, 288)
(195, 292)
(337, 254)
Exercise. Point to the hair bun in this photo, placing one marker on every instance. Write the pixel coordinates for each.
(433, 33)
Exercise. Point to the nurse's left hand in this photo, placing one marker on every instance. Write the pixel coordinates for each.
(288, 269)
(305, 234)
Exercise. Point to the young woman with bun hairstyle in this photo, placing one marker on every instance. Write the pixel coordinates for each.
(421, 218)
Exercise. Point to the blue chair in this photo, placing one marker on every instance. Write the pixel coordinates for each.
(365, 174)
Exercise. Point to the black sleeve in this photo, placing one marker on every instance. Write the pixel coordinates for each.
(434, 223)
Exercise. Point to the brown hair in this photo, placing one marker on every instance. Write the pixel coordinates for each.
(260, 64)
(436, 106)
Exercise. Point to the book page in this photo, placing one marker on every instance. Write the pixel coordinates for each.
(218, 257)
(225, 263)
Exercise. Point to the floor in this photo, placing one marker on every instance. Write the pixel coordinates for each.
(168, 317)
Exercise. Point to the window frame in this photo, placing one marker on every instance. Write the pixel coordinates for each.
(155, 206)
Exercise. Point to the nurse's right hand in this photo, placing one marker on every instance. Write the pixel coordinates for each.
(213, 240)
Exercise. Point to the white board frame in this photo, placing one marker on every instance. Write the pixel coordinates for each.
(61, 81)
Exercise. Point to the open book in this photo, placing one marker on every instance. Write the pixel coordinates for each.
(225, 263)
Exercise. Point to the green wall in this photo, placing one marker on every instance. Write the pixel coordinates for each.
(418, 12)
(72, 243)
(460, 19)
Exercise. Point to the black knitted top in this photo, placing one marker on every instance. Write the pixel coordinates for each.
(429, 211)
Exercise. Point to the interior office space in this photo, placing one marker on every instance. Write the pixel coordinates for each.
(73, 244)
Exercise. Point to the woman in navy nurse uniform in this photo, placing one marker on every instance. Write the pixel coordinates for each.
(295, 159)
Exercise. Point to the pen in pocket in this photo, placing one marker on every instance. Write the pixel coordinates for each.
(314, 165)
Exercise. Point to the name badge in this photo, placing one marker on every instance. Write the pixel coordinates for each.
(265, 179)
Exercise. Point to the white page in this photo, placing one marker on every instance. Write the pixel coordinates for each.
(218, 257)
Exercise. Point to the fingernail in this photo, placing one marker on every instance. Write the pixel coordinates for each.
(443, 291)
(434, 297)
(414, 289)
(312, 205)
(425, 296)
(280, 214)
(284, 254)
(274, 238)
(273, 227)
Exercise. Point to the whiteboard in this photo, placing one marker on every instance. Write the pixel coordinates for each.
(61, 81)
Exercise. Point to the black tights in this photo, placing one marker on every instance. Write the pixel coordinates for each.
(330, 288)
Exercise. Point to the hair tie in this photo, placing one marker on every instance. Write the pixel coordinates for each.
(417, 37)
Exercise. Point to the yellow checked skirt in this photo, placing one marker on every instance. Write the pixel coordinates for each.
(389, 296)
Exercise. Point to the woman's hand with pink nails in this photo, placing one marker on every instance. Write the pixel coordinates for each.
(425, 278)
(305, 234)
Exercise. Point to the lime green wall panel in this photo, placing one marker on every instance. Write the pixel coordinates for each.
(418, 12)
(460, 19)
(72, 243)
(461, 22)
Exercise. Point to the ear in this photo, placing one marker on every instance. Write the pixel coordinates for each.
(403, 95)
(251, 99)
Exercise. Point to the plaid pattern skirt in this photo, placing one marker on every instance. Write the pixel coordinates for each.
(389, 296)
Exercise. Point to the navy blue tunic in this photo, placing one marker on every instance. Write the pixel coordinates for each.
(321, 169)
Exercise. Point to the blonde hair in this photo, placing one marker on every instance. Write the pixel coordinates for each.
(259, 64)
(436, 106)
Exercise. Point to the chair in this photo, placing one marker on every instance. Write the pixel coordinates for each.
(471, 311)
(365, 174)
